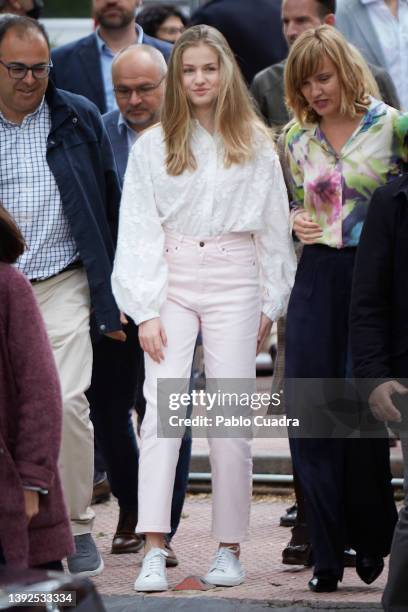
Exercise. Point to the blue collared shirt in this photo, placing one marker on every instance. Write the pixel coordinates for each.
(107, 56)
(132, 135)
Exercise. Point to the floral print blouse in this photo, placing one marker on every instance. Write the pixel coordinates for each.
(336, 189)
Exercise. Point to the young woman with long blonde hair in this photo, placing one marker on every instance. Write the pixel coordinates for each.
(204, 243)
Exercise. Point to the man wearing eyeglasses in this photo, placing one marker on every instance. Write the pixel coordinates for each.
(138, 74)
(58, 179)
(85, 65)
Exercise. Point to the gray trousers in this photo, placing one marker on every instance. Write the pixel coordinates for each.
(395, 598)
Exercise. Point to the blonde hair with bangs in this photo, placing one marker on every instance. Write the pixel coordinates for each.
(305, 59)
(235, 117)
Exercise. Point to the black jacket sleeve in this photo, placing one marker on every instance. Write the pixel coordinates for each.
(371, 302)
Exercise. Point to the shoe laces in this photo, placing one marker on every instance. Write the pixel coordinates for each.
(153, 564)
(222, 558)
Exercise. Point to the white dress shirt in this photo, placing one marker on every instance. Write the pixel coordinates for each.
(392, 33)
(210, 201)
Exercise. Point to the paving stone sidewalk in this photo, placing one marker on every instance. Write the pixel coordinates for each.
(269, 584)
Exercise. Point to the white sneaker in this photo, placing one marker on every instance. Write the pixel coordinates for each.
(153, 576)
(226, 569)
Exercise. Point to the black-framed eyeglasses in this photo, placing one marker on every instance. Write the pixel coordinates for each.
(19, 71)
(141, 90)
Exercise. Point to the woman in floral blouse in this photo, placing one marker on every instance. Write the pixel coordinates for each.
(342, 146)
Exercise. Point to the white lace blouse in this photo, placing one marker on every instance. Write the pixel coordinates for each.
(210, 201)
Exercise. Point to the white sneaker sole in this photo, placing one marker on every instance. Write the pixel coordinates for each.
(224, 580)
(149, 587)
(88, 573)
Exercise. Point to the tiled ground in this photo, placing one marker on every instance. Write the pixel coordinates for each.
(267, 579)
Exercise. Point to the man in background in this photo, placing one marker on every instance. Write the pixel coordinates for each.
(379, 29)
(252, 30)
(28, 8)
(85, 66)
(268, 85)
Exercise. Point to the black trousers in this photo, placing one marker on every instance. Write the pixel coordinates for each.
(117, 388)
(346, 482)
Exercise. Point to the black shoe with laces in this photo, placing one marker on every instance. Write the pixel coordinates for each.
(289, 518)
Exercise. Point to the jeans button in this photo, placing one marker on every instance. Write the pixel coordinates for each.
(202, 244)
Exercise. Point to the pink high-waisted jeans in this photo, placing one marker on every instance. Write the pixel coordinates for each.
(213, 285)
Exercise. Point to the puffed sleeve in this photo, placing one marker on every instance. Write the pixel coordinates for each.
(139, 279)
(276, 254)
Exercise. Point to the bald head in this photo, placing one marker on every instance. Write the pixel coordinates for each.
(137, 58)
(138, 74)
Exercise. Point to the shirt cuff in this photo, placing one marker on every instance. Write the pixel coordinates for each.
(37, 489)
(273, 311)
(146, 316)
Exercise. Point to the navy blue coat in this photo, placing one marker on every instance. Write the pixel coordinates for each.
(119, 142)
(253, 31)
(80, 157)
(77, 67)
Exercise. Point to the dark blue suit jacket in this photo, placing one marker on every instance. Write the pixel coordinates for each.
(253, 30)
(77, 67)
(119, 142)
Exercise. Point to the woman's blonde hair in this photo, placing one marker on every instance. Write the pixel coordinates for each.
(305, 58)
(235, 117)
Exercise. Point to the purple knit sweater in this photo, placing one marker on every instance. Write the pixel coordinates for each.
(30, 429)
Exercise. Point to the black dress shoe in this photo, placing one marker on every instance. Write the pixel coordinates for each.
(297, 554)
(101, 492)
(323, 584)
(369, 567)
(125, 539)
(289, 518)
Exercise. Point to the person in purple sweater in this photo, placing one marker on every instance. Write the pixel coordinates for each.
(34, 526)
